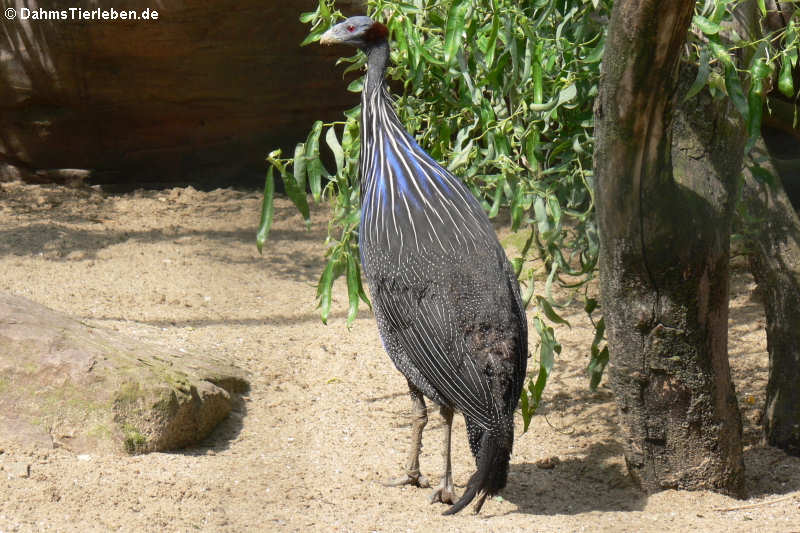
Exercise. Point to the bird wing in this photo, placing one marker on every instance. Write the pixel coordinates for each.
(460, 323)
(445, 296)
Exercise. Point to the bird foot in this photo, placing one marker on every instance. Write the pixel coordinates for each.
(444, 493)
(414, 478)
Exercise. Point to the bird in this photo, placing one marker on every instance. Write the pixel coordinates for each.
(445, 296)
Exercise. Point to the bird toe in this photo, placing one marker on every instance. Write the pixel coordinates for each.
(418, 480)
(443, 494)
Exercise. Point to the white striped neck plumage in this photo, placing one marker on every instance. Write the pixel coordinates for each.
(409, 202)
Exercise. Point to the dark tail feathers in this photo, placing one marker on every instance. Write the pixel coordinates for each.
(491, 474)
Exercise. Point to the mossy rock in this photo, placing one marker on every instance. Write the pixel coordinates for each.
(65, 383)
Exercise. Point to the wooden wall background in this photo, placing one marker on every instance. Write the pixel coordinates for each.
(201, 95)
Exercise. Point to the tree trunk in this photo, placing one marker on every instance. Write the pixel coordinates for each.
(773, 230)
(664, 210)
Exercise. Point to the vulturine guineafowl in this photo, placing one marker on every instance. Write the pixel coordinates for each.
(445, 296)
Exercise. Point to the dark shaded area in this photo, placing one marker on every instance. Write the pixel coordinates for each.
(552, 491)
(772, 231)
(226, 432)
(666, 173)
(783, 146)
(198, 96)
(770, 471)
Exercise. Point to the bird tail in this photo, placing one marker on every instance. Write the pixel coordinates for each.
(492, 472)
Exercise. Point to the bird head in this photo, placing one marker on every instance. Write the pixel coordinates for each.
(360, 31)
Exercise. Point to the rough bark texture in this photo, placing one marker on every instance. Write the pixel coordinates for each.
(66, 384)
(664, 215)
(773, 231)
(773, 228)
(201, 94)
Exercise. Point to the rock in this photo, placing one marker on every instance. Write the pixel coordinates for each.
(66, 383)
(200, 94)
(16, 470)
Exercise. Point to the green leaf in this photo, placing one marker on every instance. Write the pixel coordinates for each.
(734, 88)
(540, 213)
(563, 23)
(315, 34)
(785, 81)
(519, 262)
(525, 410)
(293, 191)
(538, 75)
(760, 69)
(547, 349)
(762, 175)
(551, 315)
(720, 10)
(353, 113)
(356, 62)
(527, 61)
(454, 29)
(721, 53)
(567, 94)
(531, 144)
(336, 148)
(356, 86)
(596, 366)
(517, 209)
(793, 55)
(498, 197)
(424, 50)
(361, 293)
(307, 17)
(461, 157)
(353, 284)
(596, 54)
(267, 209)
(755, 103)
(491, 45)
(599, 331)
(599, 358)
(299, 165)
(325, 289)
(762, 6)
(703, 70)
(555, 208)
(706, 26)
(314, 166)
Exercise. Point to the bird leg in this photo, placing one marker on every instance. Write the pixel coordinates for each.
(419, 417)
(445, 492)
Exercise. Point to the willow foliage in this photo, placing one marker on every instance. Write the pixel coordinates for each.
(501, 92)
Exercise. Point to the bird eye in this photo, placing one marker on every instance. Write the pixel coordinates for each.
(351, 28)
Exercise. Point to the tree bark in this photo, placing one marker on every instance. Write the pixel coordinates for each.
(773, 230)
(664, 215)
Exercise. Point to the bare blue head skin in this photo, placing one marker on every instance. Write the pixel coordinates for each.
(361, 32)
(368, 35)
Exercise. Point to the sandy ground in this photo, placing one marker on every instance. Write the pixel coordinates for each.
(326, 420)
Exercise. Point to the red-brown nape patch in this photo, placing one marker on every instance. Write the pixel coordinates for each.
(376, 32)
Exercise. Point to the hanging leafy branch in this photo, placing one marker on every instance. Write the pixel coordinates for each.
(502, 92)
(746, 67)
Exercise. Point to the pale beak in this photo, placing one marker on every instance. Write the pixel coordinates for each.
(328, 38)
